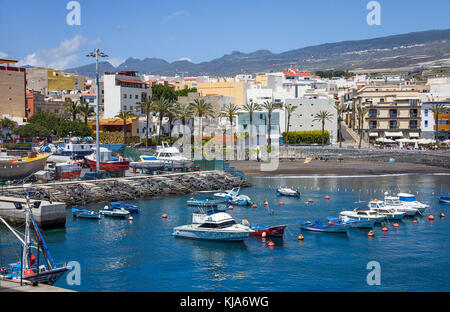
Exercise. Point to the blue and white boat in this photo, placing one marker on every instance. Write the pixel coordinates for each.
(353, 222)
(73, 148)
(128, 207)
(240, 200)
(206, 202)
(116, 213)
(388, 211)
(411, 201)
(148, 162)
(233, 192)
(86, 214)
(444, 199)
(318, 226)
(218, 226)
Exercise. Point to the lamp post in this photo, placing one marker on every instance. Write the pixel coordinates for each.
(96, 53)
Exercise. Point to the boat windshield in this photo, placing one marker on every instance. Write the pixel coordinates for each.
(218, 225)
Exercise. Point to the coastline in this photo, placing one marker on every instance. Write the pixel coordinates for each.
(335, 168)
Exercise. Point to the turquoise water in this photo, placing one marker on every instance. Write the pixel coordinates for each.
(116, 255)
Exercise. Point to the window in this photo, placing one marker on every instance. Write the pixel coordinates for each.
(372, 124)
(124, 96)
(125, 108)
(413, 113)
(426, 113)
(381, 100)
(393, 124)
(372, 113)
(136, 97)
(413, 124)
(131, 96)
(426, 123)
(393, 113)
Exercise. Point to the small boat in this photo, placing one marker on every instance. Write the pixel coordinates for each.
(275, 231)
(240, 200)
(166, 156)
(363, 213)
(328, 228)
(444, 199)
(410, 200)
(285, 191)
(107, 162)
(128, 207)
(16, 167)
(204, 202)
(148, 162)
(353, 222)
(75, 148)
(115, 213)
(393, 202)
(68, 170)
(218, 226)
(86, 214)
(233, 192)
(387, 211)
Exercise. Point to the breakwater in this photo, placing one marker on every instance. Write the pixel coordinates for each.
(431, 158)
(129, 188)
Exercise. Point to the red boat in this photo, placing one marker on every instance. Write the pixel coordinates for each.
(107, 162)
(276, 231)
(68, 170)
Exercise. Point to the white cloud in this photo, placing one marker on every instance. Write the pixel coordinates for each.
(184, 59)
(116, 61)
(59, 58)
(174, 14)
(3, 54)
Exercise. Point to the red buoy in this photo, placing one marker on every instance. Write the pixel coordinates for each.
(395, 225)
(330, 223)
(371, 234)
(254, 206)
(431, 217)
(230, 207)
(415, 221)
(310, 200)
(384, 229)
(164, 216)
(327, 197)
(281, 203)
(271, 244)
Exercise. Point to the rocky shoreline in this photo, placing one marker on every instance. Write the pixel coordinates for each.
(130, 188)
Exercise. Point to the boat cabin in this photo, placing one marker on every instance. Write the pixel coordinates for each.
(407, 197)
(218, 220)
(365, 212)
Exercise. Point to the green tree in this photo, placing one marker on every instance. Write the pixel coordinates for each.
(290, 109)
(270, 107)
(166, 92)
(72, 108)
(146, 107)
(183, 112)
(250, 108)
(161, 108)
(323, 116)
(437, 109)
(201, 109)
(124, 116)
(85, 111)
(230, 110)
(7, 123)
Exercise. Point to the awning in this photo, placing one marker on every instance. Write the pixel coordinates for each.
(414, 135)
(373, 134)
(393, 134)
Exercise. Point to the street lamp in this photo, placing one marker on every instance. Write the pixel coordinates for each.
(96, 53)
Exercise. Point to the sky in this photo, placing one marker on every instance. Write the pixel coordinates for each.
(37, 33)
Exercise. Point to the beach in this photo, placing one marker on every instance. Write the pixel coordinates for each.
(333, 167)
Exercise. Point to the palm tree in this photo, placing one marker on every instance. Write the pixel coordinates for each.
(146, 107)
(362, 111)
(290, 109)
(270, 107)
(340, 108)
(251, 107)
(201, 108)
(124, 116)
(323, 116)
(438, 109)
(161, 107)
(85, 111)
(183, 112)
(73, 108)
(229, 111)
(171, 114)
(7, 123)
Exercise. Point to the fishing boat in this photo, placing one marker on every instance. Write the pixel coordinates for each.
(285, 191)
(16, 167)
(73, 148)
(115, 213)
(127, 207)
(30, 268)
(240, 200)
(353, 222)
(318, 226)
(393, 202)
(206, 202)
(68, 170)
(218, 226)
(411, 201)
(148, 162)
(275, 231)
(107, 161)
(363, 213)
(234, 192)
(444, 199)
(86, 214)
(387, 211)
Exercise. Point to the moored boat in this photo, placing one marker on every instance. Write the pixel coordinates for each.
(353, 222)
(107, 162)
(285, 191)
(387, 211)
(240, 200)
(393, 202)
(318, 226)
(363, 213)
(234, 192)
(444, 199)
(115, 213)
(86, 214)
(275, 231)
(411, 201)
(206, 202)
(127, 207)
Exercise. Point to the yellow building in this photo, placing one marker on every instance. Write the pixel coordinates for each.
(59, 81)
(225, 88)
(262, 79)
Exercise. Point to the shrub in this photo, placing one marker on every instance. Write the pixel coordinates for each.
(306, 137)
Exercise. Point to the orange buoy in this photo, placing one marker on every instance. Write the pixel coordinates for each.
(266, 203)
(230, 207)
(300, 237)
(442, 215)
(310, 200)
(384, 229)
(371, 234)
(431, 217)
(331, 211)
(254, 206)
(263, 234)
(281, 203)
(271, 244)
(327, 197)
(395, 225)
(29, 272)
(164, 216)
(415, 221)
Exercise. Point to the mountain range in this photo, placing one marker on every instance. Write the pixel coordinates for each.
(405, 51)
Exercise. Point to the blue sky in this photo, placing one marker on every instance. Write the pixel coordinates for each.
(36, 31)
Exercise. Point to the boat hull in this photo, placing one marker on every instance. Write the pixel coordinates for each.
(444, 199)
(274, 231)
(110, 165)
(22, 169)
(219, 236)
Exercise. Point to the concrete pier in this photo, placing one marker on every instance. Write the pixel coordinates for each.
(49, 214)
(14, 286)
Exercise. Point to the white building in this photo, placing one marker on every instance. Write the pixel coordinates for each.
(123, 91)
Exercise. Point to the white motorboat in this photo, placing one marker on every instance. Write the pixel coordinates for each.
(170, 157)
(286, 191)
(389, 212)
(393, 202)
(218, 226)
(410, 200)
(363, 213)
(224, 194)
(240, 200)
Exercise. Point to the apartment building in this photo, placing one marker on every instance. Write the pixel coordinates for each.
(12, 91)
(394, 111)
(122, 92)
(229, 88)
(45, 80)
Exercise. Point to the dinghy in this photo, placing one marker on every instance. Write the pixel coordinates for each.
(444, 199)
(320, 227)
(128, 207)
(85, 214)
